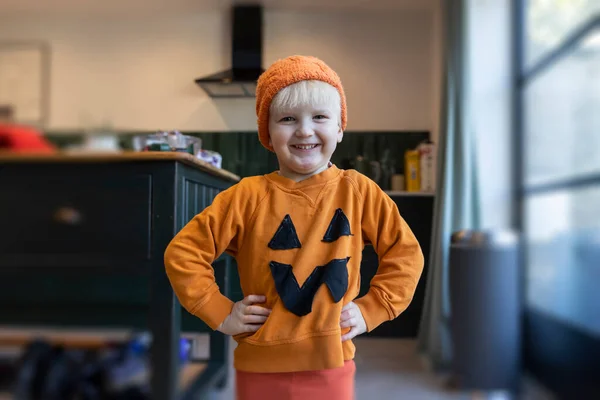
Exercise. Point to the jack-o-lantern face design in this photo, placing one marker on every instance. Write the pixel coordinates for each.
(334, 274)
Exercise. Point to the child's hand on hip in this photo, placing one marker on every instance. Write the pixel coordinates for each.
(352, 318)
(245, 316)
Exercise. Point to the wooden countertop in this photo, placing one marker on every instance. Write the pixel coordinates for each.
(125, 156)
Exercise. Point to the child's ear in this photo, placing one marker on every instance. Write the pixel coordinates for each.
(340, 135)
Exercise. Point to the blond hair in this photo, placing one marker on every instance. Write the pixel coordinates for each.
(310, 92)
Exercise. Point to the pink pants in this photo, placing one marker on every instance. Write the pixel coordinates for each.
(330, 384)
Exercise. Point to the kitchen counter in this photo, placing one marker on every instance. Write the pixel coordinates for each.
(126, 156)
(82, 241)
(417, 209)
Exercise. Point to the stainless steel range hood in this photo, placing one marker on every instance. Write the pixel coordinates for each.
(246, 57)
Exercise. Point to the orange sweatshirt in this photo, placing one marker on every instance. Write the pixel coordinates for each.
(300, 245)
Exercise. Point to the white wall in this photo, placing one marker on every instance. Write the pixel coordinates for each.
(437, 69)
(137, 72)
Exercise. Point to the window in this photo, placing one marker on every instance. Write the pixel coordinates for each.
(562, 120)
(559, 92)
(549, 22)
(563, 255)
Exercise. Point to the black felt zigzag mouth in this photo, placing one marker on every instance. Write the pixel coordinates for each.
(298, 300)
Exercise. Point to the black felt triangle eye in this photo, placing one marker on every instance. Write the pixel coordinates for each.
(285, 238)
(338, 227)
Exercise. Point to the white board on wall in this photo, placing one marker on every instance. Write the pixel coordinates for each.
(23, 71)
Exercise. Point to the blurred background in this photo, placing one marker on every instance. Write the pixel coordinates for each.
(121, 120)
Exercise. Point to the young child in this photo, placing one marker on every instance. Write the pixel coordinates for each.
(297, 235)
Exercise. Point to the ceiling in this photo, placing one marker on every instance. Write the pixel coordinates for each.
(114, 7)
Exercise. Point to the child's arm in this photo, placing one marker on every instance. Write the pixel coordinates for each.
(188, 259)
(400, 258)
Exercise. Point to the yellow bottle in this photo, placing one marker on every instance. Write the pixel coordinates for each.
(412, 170)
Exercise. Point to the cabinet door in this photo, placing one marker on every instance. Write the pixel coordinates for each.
(74, 219)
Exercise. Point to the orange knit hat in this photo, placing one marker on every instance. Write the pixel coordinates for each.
(286, 72)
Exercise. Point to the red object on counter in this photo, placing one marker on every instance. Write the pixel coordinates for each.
(23, 139)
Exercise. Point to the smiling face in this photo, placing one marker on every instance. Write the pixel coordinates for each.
(305, 128)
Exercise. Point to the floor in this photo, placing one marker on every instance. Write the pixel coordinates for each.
(386, 369)
(392, 369)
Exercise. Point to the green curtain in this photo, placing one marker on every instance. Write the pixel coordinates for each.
(456, 204)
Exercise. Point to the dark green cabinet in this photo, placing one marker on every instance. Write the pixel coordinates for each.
(417, 211)
(82, 243)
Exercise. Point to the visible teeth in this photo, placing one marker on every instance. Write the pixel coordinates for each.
(305, 147)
